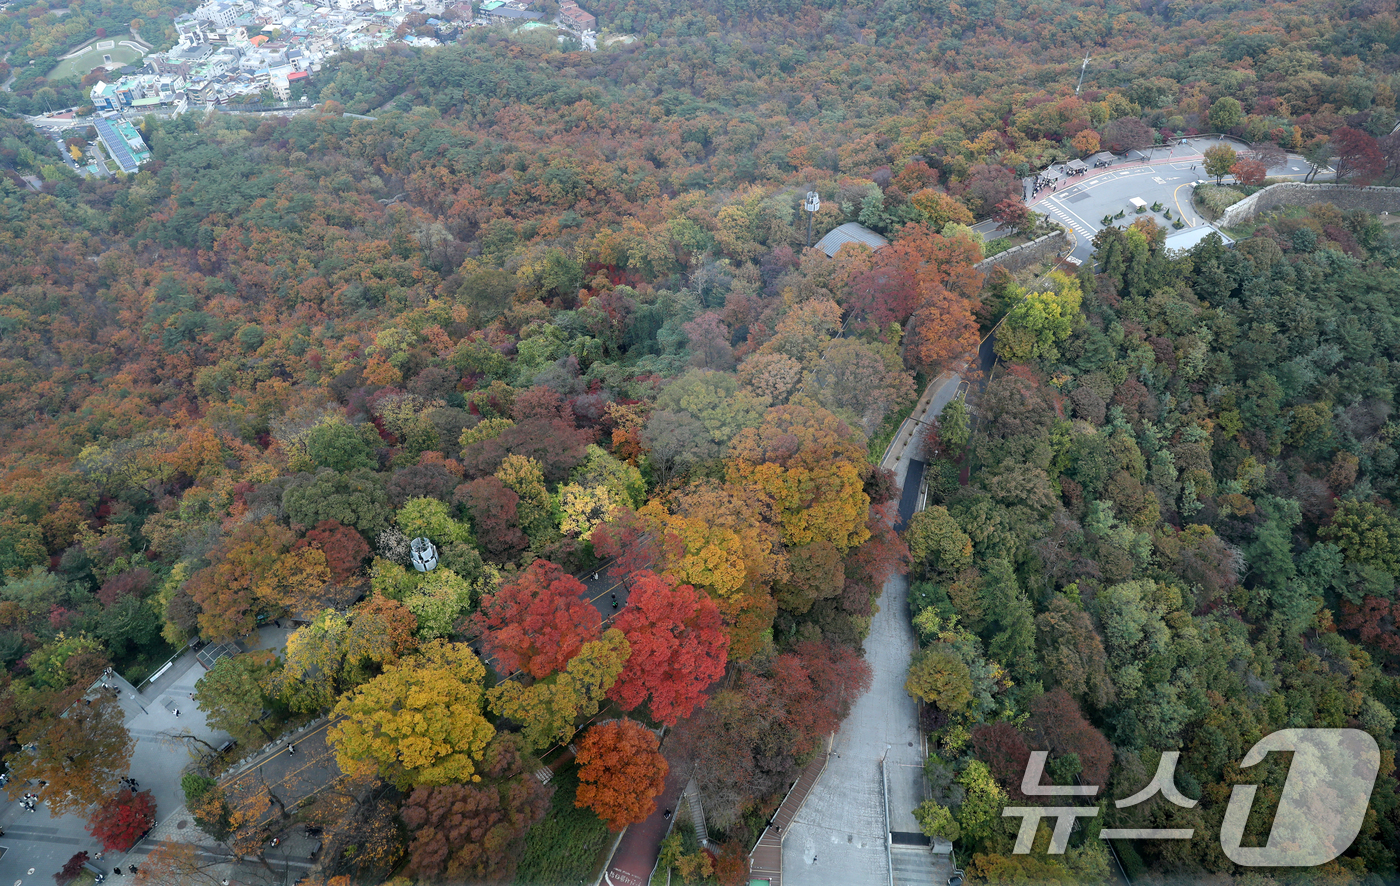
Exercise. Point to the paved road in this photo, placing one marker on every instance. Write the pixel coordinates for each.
(608, 591)
(839, 836)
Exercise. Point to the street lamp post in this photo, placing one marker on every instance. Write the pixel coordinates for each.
(812, 204)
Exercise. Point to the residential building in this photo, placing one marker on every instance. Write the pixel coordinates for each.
(123, 143)
(104, 97)
(221, 14)
(576, 17)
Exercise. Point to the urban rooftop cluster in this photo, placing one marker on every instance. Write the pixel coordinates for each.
(237, 50)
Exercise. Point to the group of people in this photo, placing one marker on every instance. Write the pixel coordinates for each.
(30, 801)
(1043, 183)
(130, 784)
(1047, 181)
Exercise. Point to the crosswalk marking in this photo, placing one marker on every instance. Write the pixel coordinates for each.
(1062, 217)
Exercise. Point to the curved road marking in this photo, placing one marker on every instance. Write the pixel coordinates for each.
(1177, 199)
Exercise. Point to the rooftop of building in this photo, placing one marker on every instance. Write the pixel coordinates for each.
(851, 232)
(1186, 238)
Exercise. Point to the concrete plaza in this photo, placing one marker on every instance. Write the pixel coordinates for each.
(1166, 174)
(36, 845)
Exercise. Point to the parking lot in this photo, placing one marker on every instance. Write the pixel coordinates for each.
(1165, 175)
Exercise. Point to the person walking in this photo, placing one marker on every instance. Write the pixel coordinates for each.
(291, 749)
(177, 712)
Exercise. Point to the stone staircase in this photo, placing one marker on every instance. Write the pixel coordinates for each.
(691, 797)
(917, 866)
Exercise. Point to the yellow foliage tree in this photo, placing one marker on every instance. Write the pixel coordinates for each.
(727, 543)
(805, 330)
(420, 722)
(941, 208)
(524, 476)
(810, 465)
(295, 581)
(581, 508)
(550, 709)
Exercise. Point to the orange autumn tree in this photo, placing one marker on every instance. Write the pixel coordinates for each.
(226, 590)
(810, 466)
(678, 648)
(621, 772)
(723, 539)
(294, 582)
(726, 541)
(942, 271)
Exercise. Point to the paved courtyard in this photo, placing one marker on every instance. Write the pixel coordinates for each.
(38, 844)
(1166, 175)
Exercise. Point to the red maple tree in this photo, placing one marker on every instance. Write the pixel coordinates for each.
(537, 622)
(71, 869)
(1060, 727)
(678, 648)
(1376, 620)
(121, 820)
(345, 549)
(1249, 172)
(816, 684)
(1002, 747)
(621, 771)
(1359, 157)
(632, 545)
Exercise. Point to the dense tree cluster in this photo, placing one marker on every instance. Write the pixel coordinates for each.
(1177, 534)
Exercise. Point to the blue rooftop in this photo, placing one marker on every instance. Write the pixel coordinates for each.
(116, 145)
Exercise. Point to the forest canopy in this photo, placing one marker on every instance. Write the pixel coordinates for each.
(552, 310)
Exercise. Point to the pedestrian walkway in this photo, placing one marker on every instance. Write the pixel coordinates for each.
(636, 854)
(906, 440)
(766, 860)
(1080, 229)
(841, 832)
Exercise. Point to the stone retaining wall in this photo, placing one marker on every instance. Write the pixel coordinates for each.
(1344, 197)
(1027, 254)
